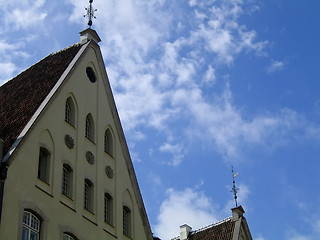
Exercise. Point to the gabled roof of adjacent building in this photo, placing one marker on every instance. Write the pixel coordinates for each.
(219, 231)
(231, 228)
(222, 230)
(22, 95)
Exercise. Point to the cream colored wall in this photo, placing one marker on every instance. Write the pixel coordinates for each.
(23, 190)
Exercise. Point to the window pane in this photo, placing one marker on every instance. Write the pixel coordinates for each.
(107, 208)
(68, 113)
(26, 218)
(125, 222)
(25, 233)
(106, 143)
(34, 223)
(44, 165)
(67, 237)
(34, 236)
(66, 181)
(86, 196)
(31, 226)
(88, 132)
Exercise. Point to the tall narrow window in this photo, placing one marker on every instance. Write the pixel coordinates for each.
(89, 128)
(126, 221)
(44, 165)
(108, 208)
(30, 226)
(90, 74)
(108, 142)
(88, 195)
(67, 180)
(69, 116)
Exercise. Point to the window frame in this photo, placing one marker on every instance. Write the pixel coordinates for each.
(69, 236)
(67, 115)
(126, 221)
(67, 181)
(91, 74)
(108, 209)
(31, 226)
(89, 128)
(108, 142)
(44, 165)
(88, 203)
(70, 112)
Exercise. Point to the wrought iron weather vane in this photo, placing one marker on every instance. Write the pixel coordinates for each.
(234, 189)
(90, 13)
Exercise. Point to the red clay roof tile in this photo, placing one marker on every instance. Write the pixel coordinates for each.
(21, 96)
(222, 231)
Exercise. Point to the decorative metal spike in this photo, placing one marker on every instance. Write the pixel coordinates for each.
(234, 189)
(90, 13)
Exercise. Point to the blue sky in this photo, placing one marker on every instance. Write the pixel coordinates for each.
(201, 86)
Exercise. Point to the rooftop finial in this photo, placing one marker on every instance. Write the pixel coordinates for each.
(234, 189)
(90, 13)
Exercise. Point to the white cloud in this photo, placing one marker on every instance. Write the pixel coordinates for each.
(156, 180)
(157, 75)
(6, 47)
(275, 66)
(7, 69)
(316, 225)
(22, 18)
(24, 14)
(210, 76)
(189, 206)
(294, 235)
(176, 150)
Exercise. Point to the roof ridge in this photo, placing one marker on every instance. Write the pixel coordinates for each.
(211, 225)
(64, 49)
(207, 227)
(51, 54)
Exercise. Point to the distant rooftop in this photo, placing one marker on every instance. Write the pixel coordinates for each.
(222, 230)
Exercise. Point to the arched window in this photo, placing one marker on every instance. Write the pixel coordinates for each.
(68, 236)
(108, 142)
(88, 195)
(70, 112)
(31, 226)
(67, 177)
(126, 221)
(44, 165)
(89, 128)
(108, 205)
(90, 74)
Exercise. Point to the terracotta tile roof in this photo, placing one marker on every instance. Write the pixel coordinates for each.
(22, 95)
(219, 231)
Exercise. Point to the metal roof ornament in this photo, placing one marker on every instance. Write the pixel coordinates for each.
(90, 13)
(234, 189)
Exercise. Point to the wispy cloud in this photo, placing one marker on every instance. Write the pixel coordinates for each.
(24, 14)
(158, 71)
(294, 235)
(176, 150)
(275, 66)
